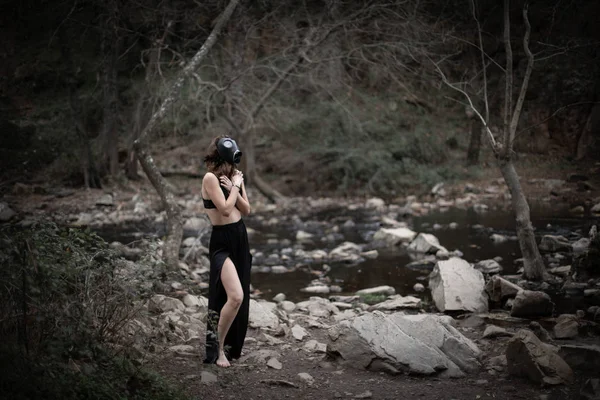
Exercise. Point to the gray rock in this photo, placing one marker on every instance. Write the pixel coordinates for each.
(105, 200)
(455, 285)
(316, 289)
(554, 243)
(425, 243)
(581, 247)
(274, 363)
(161, 304)
(262, 315)
(493, 331)
(596, 209)
(287, 306)
(192, 301)
(385, 290)
(540, 332)
(488, 266)
(208, 378)
(499, 288)
(497, 238)
(346, 251)
(314, 346)
(567, 326)
(183, 349)
(419, 287)
(298, 332)
(306, 377)
(6, 213)
(394, 236)
(564, 270)
(529, 303)
(279, 298)
(397, 302)
(528, 357)
(318, 307)
(421, 344)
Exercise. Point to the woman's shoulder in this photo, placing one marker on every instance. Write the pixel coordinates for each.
(209, 176)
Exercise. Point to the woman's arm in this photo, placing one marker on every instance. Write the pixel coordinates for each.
(213, 189)
(242, 203)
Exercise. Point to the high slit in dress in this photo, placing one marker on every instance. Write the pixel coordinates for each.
(228, 240)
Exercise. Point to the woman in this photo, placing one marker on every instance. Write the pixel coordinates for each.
(226, 202)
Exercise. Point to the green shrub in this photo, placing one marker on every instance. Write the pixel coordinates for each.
(64, 307)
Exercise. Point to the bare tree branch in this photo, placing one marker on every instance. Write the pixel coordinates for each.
(525, 84)
(508, 78)
(464, 93)
(483, 65)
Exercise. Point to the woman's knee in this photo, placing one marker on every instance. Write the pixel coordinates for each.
(236, 298)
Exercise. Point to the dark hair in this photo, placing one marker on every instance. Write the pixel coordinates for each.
(214, 162)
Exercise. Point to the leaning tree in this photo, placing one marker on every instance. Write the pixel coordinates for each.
(502, 147)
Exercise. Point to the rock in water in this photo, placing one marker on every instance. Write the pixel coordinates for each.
(455, 285)
(499, 288)
(567, 326)
(488, 266)
(529, 303)
(394, 236)
(554, 243)
(422, 344)
(528, 357)
(426, 243)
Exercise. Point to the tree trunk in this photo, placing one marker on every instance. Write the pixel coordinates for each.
(474, 144)
(586, 139)
(534, 268)
(174, 226)
(110, 137)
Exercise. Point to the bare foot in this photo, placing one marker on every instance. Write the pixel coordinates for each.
(222, 361)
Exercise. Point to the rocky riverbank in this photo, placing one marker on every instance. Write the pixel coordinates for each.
(464, 320)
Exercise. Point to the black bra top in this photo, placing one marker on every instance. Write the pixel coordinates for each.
(209, 203)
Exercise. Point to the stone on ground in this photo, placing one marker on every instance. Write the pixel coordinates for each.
(262, 315)
(499, 288)
(455, 285)
(528, 357)
(530, 303)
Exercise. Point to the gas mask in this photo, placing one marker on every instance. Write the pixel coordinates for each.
(229, 150)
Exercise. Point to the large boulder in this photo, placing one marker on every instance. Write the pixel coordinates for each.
(262, 315)
(421, 344)
(394, 236)
(426, 243)
(456, 285)
(530, 303)
(527, 356)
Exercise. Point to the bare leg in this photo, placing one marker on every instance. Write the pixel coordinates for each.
(235, 295)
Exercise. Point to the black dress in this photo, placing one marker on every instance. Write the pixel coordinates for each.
(229, 240)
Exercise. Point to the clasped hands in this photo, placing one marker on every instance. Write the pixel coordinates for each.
(236, 180)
